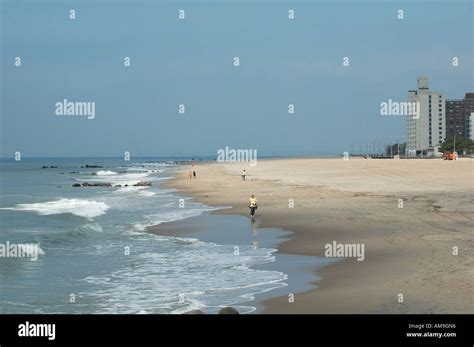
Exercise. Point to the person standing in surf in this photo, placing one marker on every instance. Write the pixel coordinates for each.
(252, 205)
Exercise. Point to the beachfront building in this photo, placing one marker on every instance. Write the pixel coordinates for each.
(427, 129)
(469, 110)
(458, 117)
(455, 118)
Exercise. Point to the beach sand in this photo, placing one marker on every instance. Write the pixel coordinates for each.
(408, 249)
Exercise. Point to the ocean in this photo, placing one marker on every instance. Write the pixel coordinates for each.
(94, 255)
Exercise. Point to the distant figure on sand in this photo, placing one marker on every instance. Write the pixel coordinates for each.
(252, 205)
(243, 175)
(190, 174)
(194, 174)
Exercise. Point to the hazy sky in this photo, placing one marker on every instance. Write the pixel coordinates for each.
(190, 62)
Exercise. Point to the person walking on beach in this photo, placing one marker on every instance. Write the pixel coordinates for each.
(243, 175)
(252, 205)
(190, 174)
(194, 173)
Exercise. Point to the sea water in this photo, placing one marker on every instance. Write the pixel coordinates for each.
(94, 255)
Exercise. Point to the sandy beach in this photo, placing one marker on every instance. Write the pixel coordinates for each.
(411, 216)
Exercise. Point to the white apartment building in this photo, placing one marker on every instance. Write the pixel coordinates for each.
(428, 128)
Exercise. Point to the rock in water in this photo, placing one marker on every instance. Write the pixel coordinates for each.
(194, 312)
(87, 184)
(142, 184)
(228, 310)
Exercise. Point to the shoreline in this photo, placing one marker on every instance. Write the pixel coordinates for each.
(208, 228)
(416, 263)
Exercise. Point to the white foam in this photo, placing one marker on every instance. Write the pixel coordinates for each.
(146, 193)
(171, 216)
(128, 178)
(94, 227)
(132, 233)
(185, 277)
(105, 173)
(138, 169)
(79, 207)
(186, 240)
(129, 189)
(155, 164)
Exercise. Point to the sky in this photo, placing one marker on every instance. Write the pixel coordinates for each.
(191, 62)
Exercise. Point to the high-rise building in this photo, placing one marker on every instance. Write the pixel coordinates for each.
(469, 111)
(455, 118)
(458, 117)
(428, 128)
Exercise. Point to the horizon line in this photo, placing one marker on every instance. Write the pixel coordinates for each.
(165, 156)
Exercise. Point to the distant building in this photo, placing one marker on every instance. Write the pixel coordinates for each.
(469, 109)
(455, 118)
(428, 129)
(458, 117)
(470, 127)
